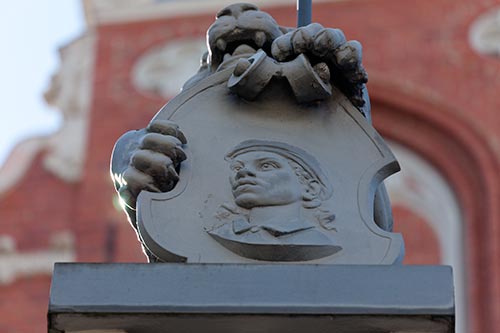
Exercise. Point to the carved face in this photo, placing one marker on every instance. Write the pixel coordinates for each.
(262, 178)
(240, 24)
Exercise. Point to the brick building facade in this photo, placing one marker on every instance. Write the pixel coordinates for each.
(434, 79)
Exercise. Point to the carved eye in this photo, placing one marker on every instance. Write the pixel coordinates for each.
(224, 12)
(247, 6)
(236, 167)
(268, 166)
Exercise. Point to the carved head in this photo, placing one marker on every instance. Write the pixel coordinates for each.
(240, 26)
(266, 173)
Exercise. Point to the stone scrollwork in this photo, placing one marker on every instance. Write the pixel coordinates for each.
(174, 60)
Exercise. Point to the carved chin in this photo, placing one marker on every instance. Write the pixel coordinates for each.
(247, 200)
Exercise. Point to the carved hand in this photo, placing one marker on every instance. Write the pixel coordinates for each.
(326, 45)
(153, 163)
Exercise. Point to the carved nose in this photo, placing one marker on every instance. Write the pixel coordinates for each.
(244, 172)
(236, 9)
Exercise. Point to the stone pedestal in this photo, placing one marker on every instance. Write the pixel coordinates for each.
(190, 298)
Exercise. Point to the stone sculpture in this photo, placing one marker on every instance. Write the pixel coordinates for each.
(287, 108)
(271, 183)
(267, 156)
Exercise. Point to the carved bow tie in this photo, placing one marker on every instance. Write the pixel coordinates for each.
(240, 226)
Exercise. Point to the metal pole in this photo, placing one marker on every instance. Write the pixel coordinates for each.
(304, 12)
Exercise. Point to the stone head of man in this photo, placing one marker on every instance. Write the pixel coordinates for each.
(266, 173)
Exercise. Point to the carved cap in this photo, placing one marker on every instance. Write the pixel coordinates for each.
(292, 153)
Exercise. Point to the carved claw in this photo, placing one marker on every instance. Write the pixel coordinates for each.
(153, 163)
(323, 71)
(348, 59)
(282, 49)
(166, 127)
(329, 47)
(326, 41)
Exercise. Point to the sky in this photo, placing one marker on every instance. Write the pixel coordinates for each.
(31, 31)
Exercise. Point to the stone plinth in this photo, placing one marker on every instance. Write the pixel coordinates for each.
(154, 298)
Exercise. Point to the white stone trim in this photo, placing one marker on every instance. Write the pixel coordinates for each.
(99, 12)
(14, 265)
(164, 69)
(70, 93)
(18, 162)
(484, 34)
(421, 188)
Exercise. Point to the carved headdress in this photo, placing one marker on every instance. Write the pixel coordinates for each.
(305, 160)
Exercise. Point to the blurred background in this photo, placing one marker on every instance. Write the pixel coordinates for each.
(76, 74)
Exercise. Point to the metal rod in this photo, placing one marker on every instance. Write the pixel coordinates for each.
(304, 12)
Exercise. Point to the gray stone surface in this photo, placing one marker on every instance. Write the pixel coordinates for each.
(176, 225)
(251, 298)
(302, 88)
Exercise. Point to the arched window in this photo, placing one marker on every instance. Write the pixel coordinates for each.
(448, 160)
(427, 213)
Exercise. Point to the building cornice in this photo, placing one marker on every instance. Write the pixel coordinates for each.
(100, 12)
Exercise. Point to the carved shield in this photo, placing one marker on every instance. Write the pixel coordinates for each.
(328, 145)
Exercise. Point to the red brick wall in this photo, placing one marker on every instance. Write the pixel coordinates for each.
(430, 91)
(37, 207)
(23, 305)
(422, 247)
(31, 212)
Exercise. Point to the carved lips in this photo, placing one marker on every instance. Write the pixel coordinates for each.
(242, 182)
